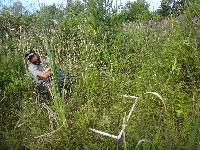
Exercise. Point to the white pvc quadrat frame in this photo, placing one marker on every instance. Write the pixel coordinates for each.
(125, 121)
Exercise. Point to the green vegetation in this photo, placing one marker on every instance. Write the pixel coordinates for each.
(110, 53)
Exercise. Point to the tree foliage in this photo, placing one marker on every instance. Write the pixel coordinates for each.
(169, 7)
(133, 11)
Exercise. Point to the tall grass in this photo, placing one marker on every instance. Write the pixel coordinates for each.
(108, 61)
(58, 103)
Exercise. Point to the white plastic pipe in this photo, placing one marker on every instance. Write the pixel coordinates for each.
(104, 133)
(124, 125)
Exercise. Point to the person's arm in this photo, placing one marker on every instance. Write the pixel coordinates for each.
(43, 74)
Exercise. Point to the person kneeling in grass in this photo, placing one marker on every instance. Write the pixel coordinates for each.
(41, 71)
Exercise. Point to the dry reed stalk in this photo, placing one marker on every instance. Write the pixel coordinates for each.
(159, 96)
(142, 140)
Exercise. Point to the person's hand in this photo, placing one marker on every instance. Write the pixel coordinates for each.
(47, 72)
(48, 69)
(44, 74)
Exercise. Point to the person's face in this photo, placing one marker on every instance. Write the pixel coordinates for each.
(35, 59)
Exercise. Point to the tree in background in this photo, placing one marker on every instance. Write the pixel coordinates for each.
(169, 7)
(17, 8)
(133, 11)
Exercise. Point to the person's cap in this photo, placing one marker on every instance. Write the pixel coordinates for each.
(29, 53)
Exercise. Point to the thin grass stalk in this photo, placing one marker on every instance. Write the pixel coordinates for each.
(124, 138)
(194, 134)
(58, 103)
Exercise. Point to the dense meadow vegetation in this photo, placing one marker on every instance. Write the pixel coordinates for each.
(110, 52)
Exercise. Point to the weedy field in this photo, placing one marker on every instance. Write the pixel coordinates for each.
(109, 56)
